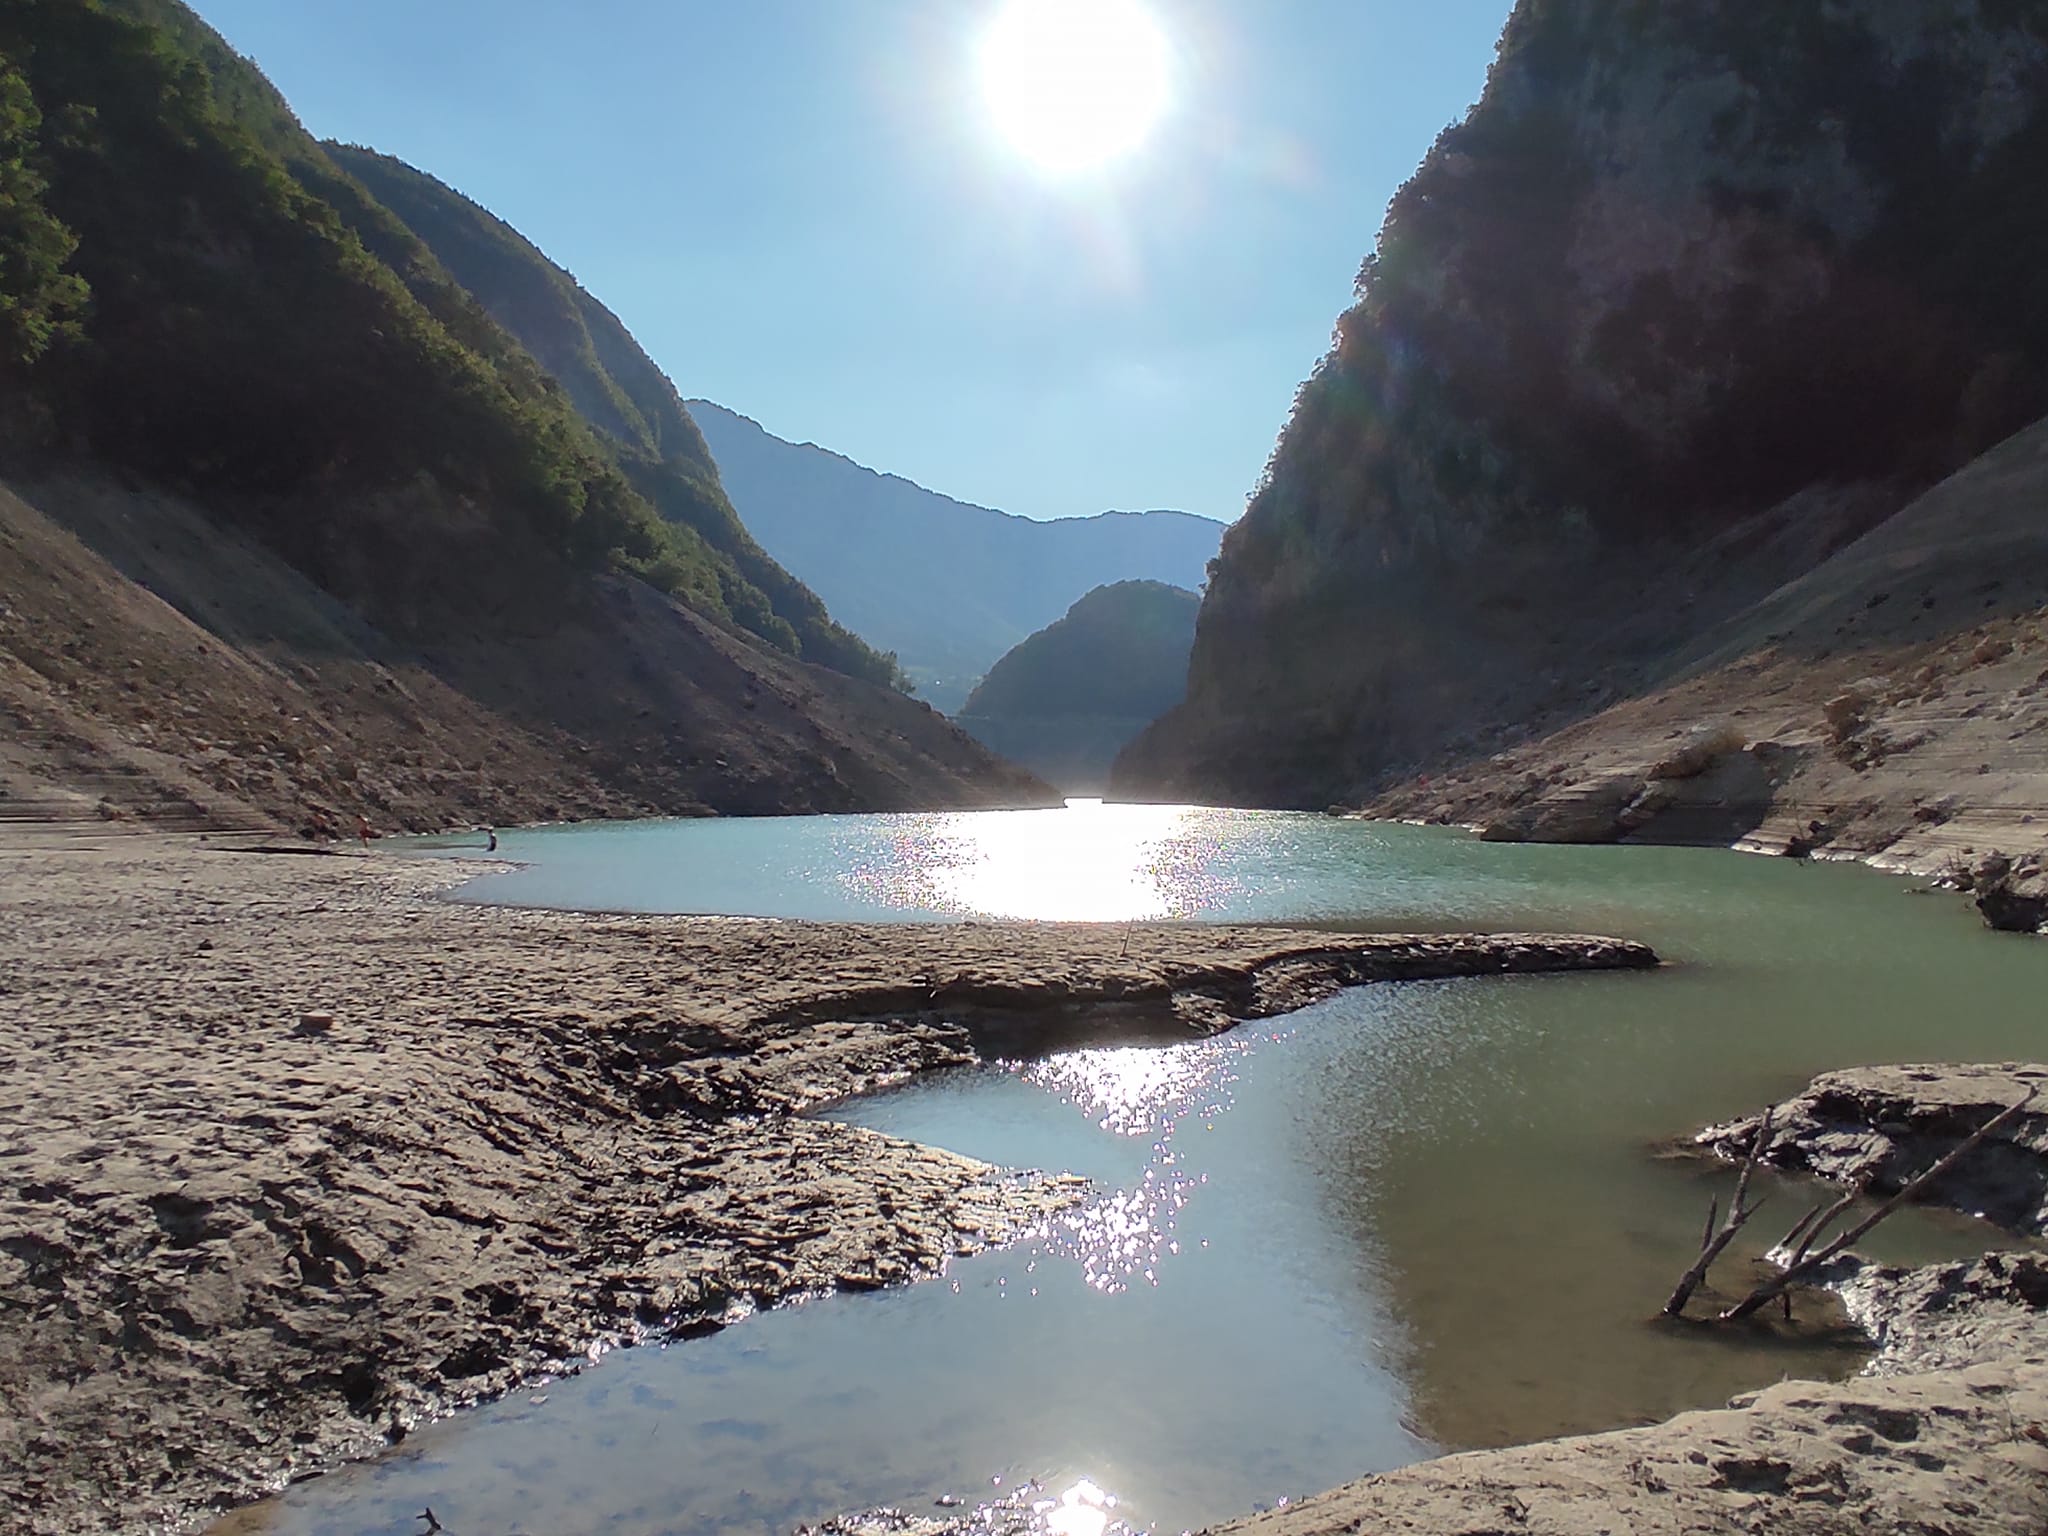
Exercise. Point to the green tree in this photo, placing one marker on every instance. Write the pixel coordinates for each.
(39, 300)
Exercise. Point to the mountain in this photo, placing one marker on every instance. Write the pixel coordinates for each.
(298, 531)
(1694, 297)
(947, 586)
(1066, 700)
(621, 393)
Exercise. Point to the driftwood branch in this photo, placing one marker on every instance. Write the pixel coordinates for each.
(1827, 1217)
(1800, 1228)
(1806, 1260)
(1713, 1241)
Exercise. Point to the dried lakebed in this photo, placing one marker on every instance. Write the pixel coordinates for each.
(295, 1156)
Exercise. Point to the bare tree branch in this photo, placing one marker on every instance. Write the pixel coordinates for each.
(1713, 1243)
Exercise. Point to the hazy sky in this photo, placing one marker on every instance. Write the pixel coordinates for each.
(803, 209)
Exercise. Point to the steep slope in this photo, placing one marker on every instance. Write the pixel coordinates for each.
(620, 391)
(946, 586)
(239, 338)
(1694, 296)
(1893, 700)
(244, 370)
(1066, 700)
(156, 669)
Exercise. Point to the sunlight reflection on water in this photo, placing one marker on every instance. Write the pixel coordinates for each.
(1129, 1090)
(1088, 863)
(1083, 1510)
(1126, 1235)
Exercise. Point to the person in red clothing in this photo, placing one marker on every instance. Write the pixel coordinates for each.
(363, 830)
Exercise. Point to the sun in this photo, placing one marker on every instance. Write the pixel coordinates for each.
(1074, 85)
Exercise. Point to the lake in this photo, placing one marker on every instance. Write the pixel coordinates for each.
(1411, 1218)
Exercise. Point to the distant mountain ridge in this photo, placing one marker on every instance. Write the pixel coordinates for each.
(946, 585)
(1067, 700)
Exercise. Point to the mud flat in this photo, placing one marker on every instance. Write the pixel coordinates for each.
(293, 1154)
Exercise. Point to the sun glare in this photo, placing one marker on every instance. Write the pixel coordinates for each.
(1074, 85)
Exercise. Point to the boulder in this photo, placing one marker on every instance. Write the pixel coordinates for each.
(1702, 747)
(2011, 903)
(1592, 812)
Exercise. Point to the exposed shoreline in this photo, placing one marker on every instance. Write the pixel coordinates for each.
(1917, 756)
(296, 1155)
(1944, 1431)
(392, 1154)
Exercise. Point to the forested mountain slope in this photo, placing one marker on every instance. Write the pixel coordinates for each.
(202, 311)
(1065, 701)
(948, 587)
(621, 392)
(1692, 298)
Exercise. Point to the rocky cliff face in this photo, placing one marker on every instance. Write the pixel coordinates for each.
(1691, 298)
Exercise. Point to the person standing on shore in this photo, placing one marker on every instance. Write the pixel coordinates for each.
(363, 830)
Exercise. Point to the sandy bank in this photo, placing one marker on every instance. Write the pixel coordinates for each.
(1891, 704)
(292, 1154)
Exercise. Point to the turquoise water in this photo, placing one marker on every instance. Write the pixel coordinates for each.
(1097, 863)
(1411, 1218)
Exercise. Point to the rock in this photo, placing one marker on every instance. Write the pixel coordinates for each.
(1884, 1126)
(1846, 714)
(1698, 751)
(1592, 812)
(2013, 904)
(315, 1023)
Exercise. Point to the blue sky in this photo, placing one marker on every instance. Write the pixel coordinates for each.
(801, 209)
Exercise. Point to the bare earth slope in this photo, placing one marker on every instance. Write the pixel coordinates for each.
(290, 1155)
(154, 665)
(1893, 702)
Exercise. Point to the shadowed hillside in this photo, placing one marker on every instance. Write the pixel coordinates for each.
(1694, 297)
(1066, 701)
